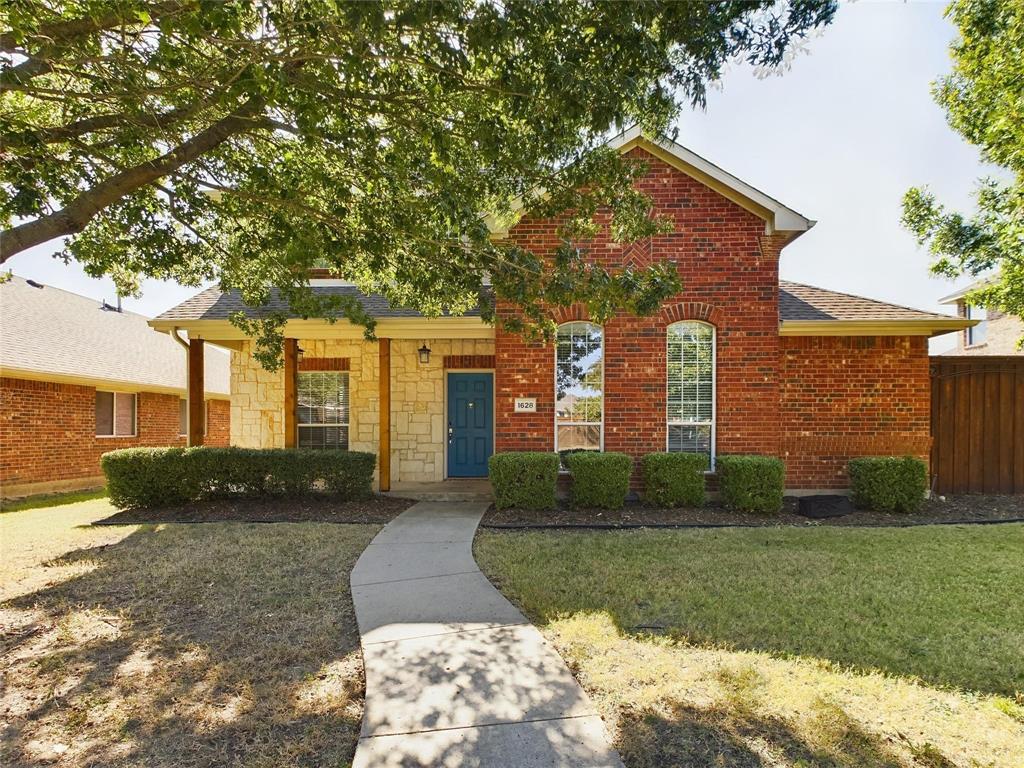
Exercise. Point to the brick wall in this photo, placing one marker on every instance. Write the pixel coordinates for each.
(48, 431)
(729, 270)
(851, 396)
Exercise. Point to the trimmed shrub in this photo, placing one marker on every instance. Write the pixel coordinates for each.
(751, 483)
(674, 479)
(888, 483)
(599, 479)
(147, 477)
(523, 480)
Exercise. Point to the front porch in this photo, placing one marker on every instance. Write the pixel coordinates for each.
(424, 405)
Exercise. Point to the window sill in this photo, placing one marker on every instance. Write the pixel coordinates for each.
(114, 437)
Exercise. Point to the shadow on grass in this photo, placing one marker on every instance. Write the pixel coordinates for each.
(183, 645)
(937, 605)
(51, 500)
(688, 737)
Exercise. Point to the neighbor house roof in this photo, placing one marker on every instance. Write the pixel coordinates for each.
(54, 335)
(957, 296)
(807, 310)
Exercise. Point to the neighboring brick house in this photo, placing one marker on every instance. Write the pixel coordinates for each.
(996, 332)
(78, 378)
(738, 362)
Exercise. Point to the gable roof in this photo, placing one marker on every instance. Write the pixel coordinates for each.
(778, 217)
(807, 310)
(54, 335)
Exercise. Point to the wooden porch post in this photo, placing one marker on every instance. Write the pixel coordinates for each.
(385, 414)
(291, 368)
(196, 392)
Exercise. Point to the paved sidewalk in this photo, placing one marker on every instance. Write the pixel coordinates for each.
(455, 675)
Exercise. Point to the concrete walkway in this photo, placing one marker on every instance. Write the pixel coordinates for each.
(455, 675)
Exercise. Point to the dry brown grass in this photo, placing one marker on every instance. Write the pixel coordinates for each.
(177, 645)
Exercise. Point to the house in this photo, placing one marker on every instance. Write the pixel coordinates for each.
(79, 377)
(739, 362)
(996, 333)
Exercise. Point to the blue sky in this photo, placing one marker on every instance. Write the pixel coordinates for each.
(839, 136)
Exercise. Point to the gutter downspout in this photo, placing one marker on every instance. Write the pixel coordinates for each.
(188, 410)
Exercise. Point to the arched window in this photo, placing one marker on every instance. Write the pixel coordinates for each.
(579, 387)
(691, 388)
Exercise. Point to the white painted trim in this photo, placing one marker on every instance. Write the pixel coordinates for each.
(926, 327)
(444, 411)
(216, 331)
(714, 389)
(107, 385)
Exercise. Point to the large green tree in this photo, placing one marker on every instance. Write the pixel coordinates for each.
(249, 140)
(984, 101)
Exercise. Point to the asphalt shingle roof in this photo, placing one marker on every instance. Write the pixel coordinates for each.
(806, 302)
(796, 302)
(50, 331)
(212, 304)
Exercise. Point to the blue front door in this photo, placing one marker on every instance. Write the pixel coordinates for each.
(470, 423)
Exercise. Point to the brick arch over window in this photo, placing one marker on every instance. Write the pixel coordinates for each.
(575, 313)
(692, 310)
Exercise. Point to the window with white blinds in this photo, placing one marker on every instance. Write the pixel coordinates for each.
(579, 387)
(115, 414)
(323, 411)
(691, 388)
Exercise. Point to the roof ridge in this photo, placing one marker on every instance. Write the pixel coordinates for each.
(101, 302)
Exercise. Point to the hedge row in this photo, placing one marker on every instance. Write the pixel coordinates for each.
(146, 477)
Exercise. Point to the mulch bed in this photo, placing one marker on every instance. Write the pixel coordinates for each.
(954, 509)
(376, 510)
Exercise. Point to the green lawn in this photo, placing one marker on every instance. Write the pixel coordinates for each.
(177, 645)
(739, 647)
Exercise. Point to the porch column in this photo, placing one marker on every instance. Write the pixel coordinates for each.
(196, 392)
(291, 377)
(385, 414)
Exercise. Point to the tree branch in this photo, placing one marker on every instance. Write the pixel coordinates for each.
(59, 32)
(76, 215)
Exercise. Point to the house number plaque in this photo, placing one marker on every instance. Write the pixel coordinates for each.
(526, 405)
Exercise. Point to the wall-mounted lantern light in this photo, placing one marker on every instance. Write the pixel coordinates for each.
(299, 352)
(424, 354)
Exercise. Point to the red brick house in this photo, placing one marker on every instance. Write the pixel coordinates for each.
(739, 362)
(78, 378)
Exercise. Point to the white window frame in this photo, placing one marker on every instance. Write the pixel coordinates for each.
(970, 311)
(556, 422)
(714, 391)
(113, 415)
(347, 424)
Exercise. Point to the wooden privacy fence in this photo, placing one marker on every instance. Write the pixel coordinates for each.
(977, 424)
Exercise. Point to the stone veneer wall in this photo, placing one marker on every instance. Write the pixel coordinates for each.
(417, 400)
(418, 403)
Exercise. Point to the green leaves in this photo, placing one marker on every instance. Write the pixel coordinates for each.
(368, 137)
(984, 102)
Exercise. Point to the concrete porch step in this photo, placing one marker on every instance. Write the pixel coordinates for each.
(475, 489)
